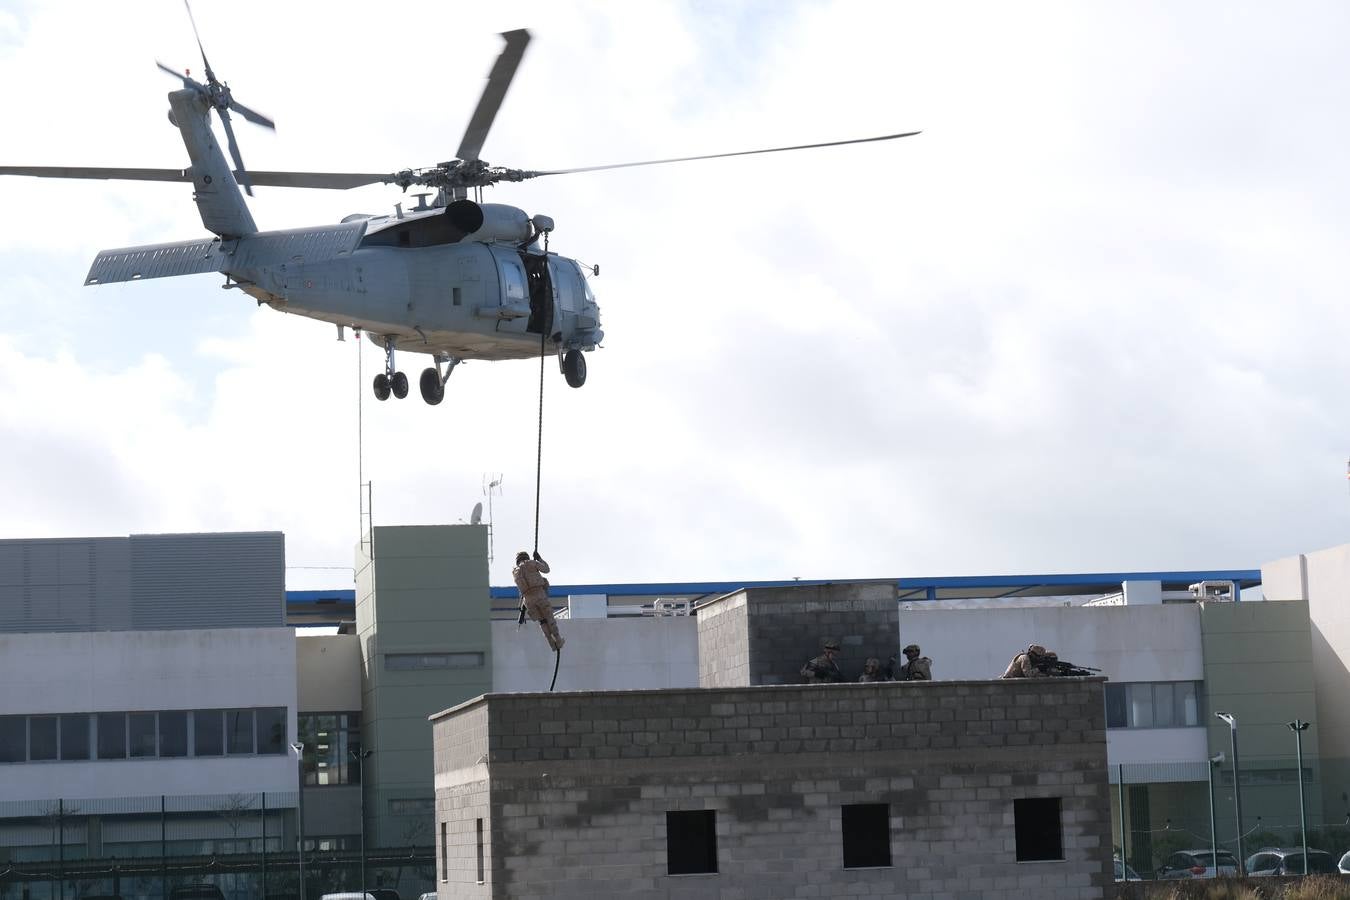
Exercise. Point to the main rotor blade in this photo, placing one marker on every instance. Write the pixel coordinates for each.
(659, 162)
(187, 82)
(241, 174)
(337, 181)
(256, 118)
(499, 79)
(193, 20)
(103, 173)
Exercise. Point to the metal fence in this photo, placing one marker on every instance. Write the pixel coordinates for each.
(1160, 809)
(246, 844)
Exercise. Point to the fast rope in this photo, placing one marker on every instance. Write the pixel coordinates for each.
(539, 451)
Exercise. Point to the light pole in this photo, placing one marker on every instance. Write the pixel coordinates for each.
(1213, 833)
(1298, 726)
(299, 749)
(1237, 793)
(358, 758)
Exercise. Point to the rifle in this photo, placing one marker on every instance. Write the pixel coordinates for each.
(1063, 668)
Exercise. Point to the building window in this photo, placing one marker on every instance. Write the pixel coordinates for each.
(1038, 829)
(445, 855)
(479, 829)
(330, 739)
(238, 731)
(75, 737)
(1153, 704)
(691, 842)
(13, 739)
(272, 730)
(208, 734)
(141, 734)
(112, 735)
(173, 734)
(42, 737)
(403, 662)
(867, 835)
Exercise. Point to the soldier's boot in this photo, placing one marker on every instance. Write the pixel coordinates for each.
(555, 639)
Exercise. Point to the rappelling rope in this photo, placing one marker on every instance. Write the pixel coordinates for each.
(539, 447)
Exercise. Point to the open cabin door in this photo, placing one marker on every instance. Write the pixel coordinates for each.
(526, 295)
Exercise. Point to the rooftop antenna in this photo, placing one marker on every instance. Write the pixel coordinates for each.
(492, 484)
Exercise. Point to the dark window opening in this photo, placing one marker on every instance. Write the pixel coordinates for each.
(1039, 829)
(1116, 710)
(173, 733)
(867, 835)
(480, 851)
(691, 842)
(239, 730)
(112, 735)
(445, 855)
(13, 739)
(75, 737)
(141, 729)
(208, 733)
(272, 730)
(42, 737)
(455, 296)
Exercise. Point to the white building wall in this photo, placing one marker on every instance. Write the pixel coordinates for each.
(1325, 576)
(600, 654)
(85, 672)
(1128, 643)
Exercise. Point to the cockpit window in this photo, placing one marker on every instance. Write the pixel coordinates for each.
(513, 281)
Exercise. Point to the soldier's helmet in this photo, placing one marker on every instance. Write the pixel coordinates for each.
(913, 647)
(1036, 650)
(832, 645)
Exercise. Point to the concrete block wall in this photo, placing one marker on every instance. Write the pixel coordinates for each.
(784, 627)
(723, 642)
(461, 755)
(579, 785)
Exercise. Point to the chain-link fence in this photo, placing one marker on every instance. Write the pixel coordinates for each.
(1162, 810)
(246, 844)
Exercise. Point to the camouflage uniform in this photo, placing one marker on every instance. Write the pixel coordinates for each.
(872, 671)
(917, 668)
(823, 668)
(533, 587)
(1027, 664)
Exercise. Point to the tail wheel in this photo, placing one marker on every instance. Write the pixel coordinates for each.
(433, 389)
(399, 385)
(381, 386)
(574, 368)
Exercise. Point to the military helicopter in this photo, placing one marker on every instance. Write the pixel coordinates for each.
(455, 278)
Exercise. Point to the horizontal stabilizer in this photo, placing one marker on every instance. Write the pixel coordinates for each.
(260, 250)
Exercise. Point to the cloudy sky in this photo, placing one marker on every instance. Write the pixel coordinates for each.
(1093, 318)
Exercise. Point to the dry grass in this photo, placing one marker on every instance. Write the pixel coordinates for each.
(1317, 887)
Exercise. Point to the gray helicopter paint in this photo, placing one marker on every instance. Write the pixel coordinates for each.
(247, 254)
(217, 193)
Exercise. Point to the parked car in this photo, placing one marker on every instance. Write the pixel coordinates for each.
(1289, 861)
(1198, 864)
(1344, 864)
(1124, 872)
(196, 892)
(372, 894)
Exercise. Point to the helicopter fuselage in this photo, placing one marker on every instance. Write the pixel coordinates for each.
(467, 300)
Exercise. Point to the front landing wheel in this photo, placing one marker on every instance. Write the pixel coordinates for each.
(381, 386)
(399, 385)
(574, 368)
(433, 389)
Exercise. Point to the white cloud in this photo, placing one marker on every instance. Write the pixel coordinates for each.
(1090, 319)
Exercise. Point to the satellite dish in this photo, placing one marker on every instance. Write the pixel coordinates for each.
(476, 517)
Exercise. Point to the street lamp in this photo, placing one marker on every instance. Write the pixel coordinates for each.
(1298, 726)
(1213, 833)
(299, 749)
(1237, 793)
(357, 757)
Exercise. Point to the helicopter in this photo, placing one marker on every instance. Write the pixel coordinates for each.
(455, 278)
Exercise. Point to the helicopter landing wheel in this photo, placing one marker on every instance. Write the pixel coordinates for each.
(574, 368)
(399, 385)
(381, 386)
(433, 389)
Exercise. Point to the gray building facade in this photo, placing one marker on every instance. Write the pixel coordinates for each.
(923, 790)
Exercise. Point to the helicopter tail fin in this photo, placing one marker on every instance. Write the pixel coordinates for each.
(217, 194)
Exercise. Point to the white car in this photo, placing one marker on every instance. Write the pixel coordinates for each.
(1198, 864)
